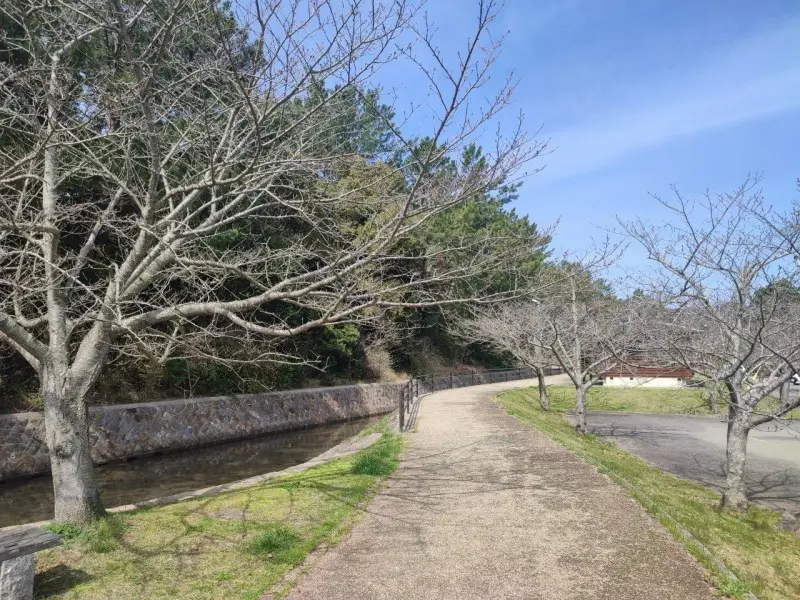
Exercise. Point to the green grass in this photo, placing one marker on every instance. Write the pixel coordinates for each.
(237, 544)
(379, 460)
(100, 537)
(638, 399)
(765, 560)
(687, 401)
(277, 540)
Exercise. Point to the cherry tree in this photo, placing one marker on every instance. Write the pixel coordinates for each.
(589, 331)
(571, 321)
(521, 329)
(727, 280)
(170, 174)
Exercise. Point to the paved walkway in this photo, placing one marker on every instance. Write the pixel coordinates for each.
(483, 507)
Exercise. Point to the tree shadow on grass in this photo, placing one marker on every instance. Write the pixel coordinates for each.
(58, 580)
(194, 530)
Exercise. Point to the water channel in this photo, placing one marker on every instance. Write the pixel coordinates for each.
(125, 482)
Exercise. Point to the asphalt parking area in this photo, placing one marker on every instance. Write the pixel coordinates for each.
(694, 448)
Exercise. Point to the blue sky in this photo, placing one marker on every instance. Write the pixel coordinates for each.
(635, 95)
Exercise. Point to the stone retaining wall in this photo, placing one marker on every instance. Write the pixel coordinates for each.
(124, 430)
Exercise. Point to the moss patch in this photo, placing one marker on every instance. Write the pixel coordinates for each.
(765, 559)
(237, 544)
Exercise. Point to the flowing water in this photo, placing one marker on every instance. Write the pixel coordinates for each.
(127, 482)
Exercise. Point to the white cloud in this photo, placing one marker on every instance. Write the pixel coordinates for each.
(756, 79)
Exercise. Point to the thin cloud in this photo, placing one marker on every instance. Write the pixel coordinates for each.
(754, 81)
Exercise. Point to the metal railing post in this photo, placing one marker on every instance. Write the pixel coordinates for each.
(401, 409)
(473, 377)
(451, 380)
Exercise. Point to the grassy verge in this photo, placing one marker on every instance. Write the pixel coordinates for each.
(666, 401)
(238, 544)
(638, 399)
(764, 559)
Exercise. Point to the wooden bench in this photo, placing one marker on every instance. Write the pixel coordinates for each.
(17, 559)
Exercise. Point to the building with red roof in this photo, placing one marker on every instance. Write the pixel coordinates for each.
(639, 376)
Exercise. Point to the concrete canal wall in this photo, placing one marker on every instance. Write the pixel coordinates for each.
(124, 430)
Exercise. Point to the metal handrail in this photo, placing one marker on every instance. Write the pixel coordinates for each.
(432, 382)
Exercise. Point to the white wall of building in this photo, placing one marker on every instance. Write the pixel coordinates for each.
(648, 382)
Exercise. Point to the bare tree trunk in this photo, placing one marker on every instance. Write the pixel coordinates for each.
(77, 498)
(580, 408)
(785, 395)
(735, 495)
(543, 401)
(711, 390)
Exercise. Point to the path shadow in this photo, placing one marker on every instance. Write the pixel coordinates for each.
(413, 413)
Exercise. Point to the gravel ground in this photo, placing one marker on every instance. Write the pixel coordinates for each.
(485, 507)
(694, 448)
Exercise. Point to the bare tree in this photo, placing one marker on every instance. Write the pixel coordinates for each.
(572, 322)
(169, 175)
(589, 332)
(520, 329)
(727, 281)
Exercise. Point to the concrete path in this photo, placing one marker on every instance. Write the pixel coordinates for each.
(484, 507)
(694, 448)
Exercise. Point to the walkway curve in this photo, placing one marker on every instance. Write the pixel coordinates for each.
(484, 507)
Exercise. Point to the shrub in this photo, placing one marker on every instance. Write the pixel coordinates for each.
(379, 364)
